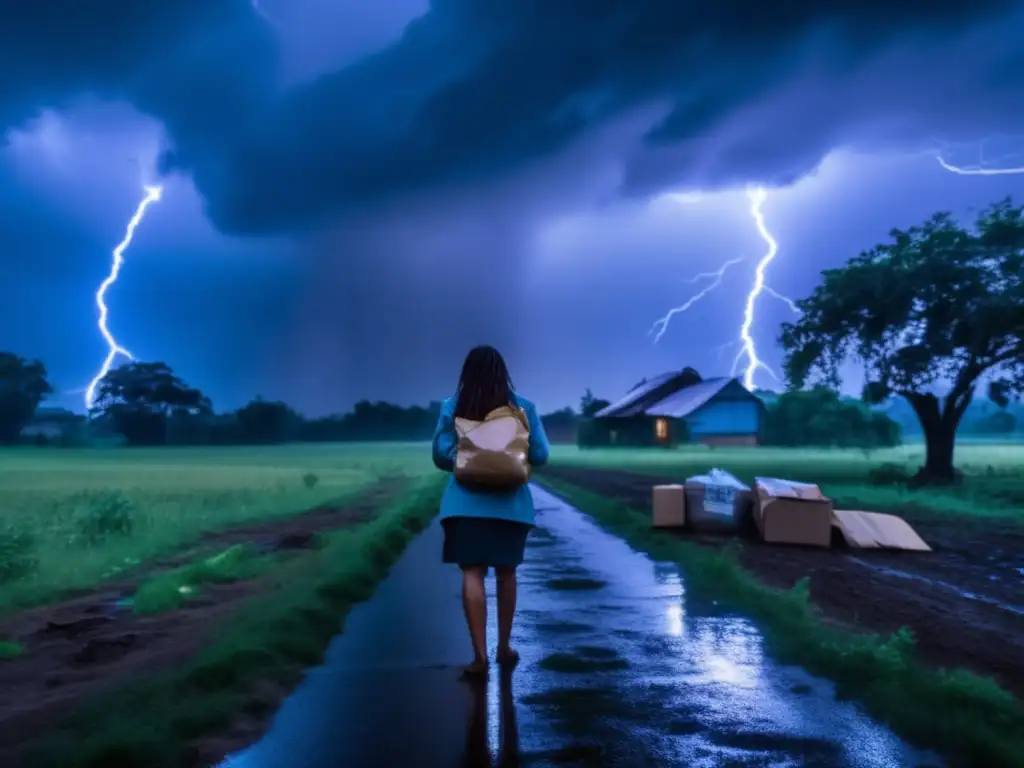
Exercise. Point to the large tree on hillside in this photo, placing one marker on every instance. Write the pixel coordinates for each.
(938, 309)
(141, 398)
(23, 385)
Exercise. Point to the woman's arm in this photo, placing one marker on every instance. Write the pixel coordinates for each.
(445, 441)
(540, 449)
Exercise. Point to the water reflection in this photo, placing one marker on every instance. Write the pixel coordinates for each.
(478, 749)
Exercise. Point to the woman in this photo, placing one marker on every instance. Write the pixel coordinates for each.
(484, 530)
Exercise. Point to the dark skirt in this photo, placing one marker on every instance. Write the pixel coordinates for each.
(484, 541)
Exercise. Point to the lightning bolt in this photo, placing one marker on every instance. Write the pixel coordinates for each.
(661, 324)
(977, 170)
(748, 349)
(984, 167)
(115, 349)
(757, 196)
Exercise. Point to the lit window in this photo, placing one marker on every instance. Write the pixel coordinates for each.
(661, 429)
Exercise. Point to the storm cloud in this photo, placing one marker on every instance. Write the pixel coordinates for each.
(474, 89)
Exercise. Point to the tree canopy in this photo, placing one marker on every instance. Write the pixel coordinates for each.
(141, 399)
(23, 385)
(939, 309)
(819, 416)
(589, 405)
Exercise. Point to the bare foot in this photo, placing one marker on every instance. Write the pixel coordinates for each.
(475, 670)
(508, 657)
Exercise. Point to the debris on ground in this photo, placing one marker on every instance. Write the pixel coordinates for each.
(717, 501)
(787, 512)
(961, 600)
(783, 512)
(668, 506)
(874, 530)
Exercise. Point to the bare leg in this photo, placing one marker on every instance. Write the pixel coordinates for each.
(506, 577)
(474, 603)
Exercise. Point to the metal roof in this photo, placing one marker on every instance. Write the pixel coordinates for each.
(634, 395)
(675, 405)
(685, 401)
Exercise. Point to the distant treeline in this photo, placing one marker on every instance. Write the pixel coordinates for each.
(261, 422)
(820, 417)
(983, 418)
(147, 404)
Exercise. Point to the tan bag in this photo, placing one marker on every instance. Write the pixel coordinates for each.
(492, 454)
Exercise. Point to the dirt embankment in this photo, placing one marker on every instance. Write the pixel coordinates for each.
(76, 647)
(963, 602)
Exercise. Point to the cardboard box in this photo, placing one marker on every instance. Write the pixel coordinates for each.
(716, 501)
(873, 530)
(787, 512)
(668, 506)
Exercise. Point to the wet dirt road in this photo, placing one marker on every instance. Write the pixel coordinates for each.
(962, 601)
(620, 667)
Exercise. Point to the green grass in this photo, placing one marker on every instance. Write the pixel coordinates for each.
(170, 589)
(10, 650)
(71, 518)
(966, 717)
(273, 637)
(993, 484)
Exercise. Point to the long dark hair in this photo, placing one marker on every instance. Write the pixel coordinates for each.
(484, 384)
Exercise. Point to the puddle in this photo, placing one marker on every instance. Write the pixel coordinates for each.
(635, 673)
(689, 684)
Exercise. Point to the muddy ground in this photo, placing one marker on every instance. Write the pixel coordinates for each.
(75, 647)
(963, 601)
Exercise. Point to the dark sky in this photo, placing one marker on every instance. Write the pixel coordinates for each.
(356, 192)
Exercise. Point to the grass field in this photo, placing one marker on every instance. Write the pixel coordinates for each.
(69, 518)
(993, 473)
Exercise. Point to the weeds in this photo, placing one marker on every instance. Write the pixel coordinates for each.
(889, 474)
(10, 650)
(101, 515)
(18, 558)
(167, 591)
(274, 636)
(920, 704)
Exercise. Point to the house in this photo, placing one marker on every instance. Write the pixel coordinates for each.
(678, 407)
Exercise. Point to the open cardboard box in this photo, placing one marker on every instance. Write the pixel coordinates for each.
(787, 512)
(874, 530)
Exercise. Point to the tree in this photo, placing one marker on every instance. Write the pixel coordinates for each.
(589, 405)
(141, 399)
(818, 416)
(689, 376)
(941, 306)
(998, 423)
(262, 421)
(23, 385)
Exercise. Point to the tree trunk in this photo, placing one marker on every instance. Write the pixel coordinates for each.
(940, 440)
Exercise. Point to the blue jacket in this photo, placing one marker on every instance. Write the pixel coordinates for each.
(462, 502)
